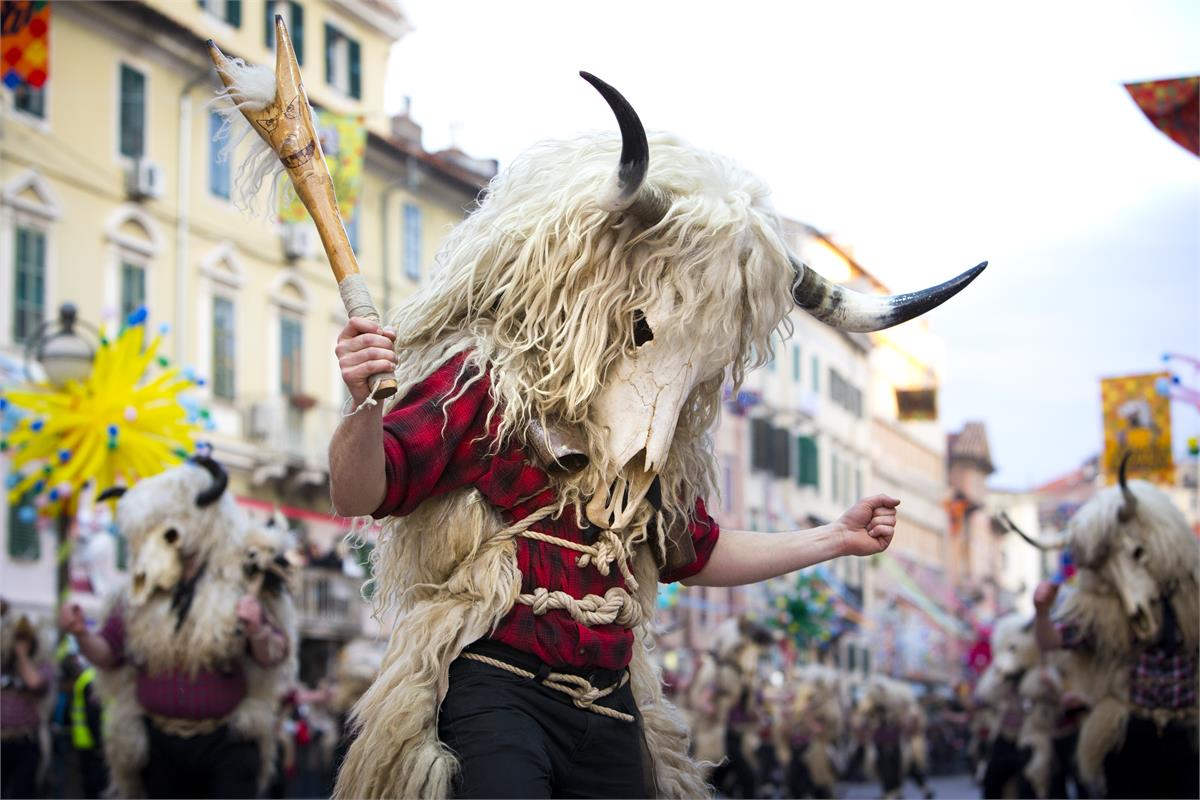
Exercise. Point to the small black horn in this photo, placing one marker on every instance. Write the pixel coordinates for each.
(625, 191)
(1053, 544)
(1129, 507)
(112, 493)
(220, 480)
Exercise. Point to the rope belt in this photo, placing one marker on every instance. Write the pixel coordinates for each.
(616, 606)
(579, 689)
(1163, 717)
(186, 728)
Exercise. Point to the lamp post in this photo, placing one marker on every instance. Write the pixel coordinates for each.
(64, 356)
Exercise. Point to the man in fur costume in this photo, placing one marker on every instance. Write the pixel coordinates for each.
(26, 680)
(1014, 653)
(545, 464)
(1132, 616)
(813, 725)
(894, 728)
(196, 651)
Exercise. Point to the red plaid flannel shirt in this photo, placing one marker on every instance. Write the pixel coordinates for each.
(432, 448)
(1161, 679)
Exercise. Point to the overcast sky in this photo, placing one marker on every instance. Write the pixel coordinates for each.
(927, 137)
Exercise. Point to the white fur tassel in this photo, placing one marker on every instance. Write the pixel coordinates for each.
(256, 85)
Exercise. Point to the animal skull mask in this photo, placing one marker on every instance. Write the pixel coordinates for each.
(161, 547)
(641, 404)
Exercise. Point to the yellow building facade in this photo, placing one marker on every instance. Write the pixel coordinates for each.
(113, 196)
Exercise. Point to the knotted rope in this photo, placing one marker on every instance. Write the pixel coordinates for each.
(616, 606)
(579, 689)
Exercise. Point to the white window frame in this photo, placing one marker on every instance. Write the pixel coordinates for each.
(17, 211)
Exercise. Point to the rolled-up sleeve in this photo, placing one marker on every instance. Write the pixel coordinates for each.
(436, 439)
(113, 633)
(704, 532)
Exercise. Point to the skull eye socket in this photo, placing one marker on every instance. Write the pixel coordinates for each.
(642, 332)
(171, 535)
(1138, 553)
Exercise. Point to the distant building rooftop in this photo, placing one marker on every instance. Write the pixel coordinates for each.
(971, 444)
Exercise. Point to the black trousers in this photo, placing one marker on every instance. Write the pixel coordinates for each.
(515, 737)
(214, 764)
(735, 776)
(19, 760)
(1150, 765)
(1006, 762)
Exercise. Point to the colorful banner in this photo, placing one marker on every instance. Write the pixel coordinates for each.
(344, 141)
(1137, 420)
(25, 52)
(1174, 108)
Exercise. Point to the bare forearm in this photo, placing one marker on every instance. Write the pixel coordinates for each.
(267, 646)
(32, 679)
(1046, 632)
(357, 477)
(96, 649)
(743, 557)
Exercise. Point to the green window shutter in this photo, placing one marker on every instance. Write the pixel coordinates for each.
(330, 39)
(269, 26)
(223, 348)
(816, 375)
(233, 12)
(29, 283)
(297, 30)
(23, 541)
(807, 469)
(133, 112)
(133, 289)
(796, 364)
(355, 70)
(291, 340)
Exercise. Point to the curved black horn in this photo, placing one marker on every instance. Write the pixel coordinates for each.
(112, 493)
(1056, 543)
(220, 480)
(1129, 507)
(849, 310)
(627, 190)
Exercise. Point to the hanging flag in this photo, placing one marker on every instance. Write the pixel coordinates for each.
(1174, 108)
(1137, 420)
(26, 42)
(344, 142)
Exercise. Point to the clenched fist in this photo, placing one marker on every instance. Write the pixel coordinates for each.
(364, 348)
(868, 526)
(71, 619)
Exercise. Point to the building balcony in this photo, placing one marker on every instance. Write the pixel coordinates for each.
(329, 604)
(290, 436)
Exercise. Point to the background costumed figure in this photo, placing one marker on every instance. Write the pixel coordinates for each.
(206, 589)
(1132, 620)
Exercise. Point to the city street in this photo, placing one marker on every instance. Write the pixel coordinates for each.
(945, 787)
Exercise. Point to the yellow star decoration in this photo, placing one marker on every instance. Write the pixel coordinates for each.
(120, 425)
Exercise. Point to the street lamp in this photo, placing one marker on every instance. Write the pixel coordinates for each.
(63, 354)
